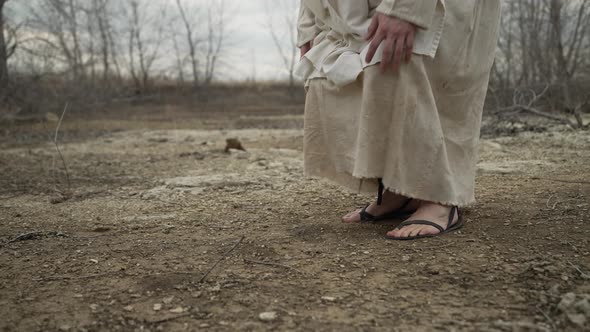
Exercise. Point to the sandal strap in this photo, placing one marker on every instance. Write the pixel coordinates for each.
(366, 216)
(380, 191)
(420, 222)
(454, 210)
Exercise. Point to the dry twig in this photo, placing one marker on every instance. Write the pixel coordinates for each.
(220, 259)
(272, 264)
(55, 142)
(32, 236)
(559, 180)
(520, 106)
(168, 319)
(582, 274)
(91, 276)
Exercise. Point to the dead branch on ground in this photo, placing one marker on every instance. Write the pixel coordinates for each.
(67, 194)
(520, 105)
(272, 264)
(33, 236)
(220, 259)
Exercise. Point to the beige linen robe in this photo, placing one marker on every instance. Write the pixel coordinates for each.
(417, 129)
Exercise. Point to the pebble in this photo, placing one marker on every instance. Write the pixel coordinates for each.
(566, 302)
(177, 310)
(328, 298)
(577, 319)
(157, 307)
(268, 316)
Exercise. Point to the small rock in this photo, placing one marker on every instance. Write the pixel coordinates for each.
(128, 308)
(157, 307)
(583, 306)
(328, 298)
(268, 316)
(65, 327)
(566, 302)
(95, 261)
(233, 143)
(405, 258)
(177, 310)
(168, 300)
(577, 319)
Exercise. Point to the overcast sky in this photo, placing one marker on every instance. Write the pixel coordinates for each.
(253, 36)
(250, 51)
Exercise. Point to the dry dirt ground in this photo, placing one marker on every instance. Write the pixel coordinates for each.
(164, 231)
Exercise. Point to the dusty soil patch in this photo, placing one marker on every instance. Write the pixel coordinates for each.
(151, 211)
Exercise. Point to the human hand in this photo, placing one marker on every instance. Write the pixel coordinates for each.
(398, 36)
(305, 48)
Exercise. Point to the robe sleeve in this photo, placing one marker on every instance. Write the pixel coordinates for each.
(418, 12)
(306, 27)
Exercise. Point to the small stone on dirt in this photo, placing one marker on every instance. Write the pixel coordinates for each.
(268, 316)
(566, 302)
(128, 308)
(328, 298)
(177, 310)
(577, 319)
(233, 143)
(157, 307)
(583, 306)
(168, 300)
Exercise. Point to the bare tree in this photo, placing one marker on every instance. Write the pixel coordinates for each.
(282, 29)
(545, 43)
(204, 34)
(145, 33)
(7, 47)
(216, 29)
(191, 39)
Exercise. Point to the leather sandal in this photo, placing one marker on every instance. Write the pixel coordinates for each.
(450, 226)
(399, 213)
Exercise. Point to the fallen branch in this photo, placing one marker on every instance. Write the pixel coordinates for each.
(272, 264)
(519, 105)
(91, 276)
(167, 319)
(55, 142)
(33, 235)
(559, 180)
(220, 259)
(582, 274)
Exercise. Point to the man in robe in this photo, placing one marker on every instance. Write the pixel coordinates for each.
(395, 94)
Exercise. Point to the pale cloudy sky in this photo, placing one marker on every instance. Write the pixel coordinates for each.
(253, 36)
(250, 50)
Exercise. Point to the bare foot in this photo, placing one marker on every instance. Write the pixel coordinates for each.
(390, 203)
(436, 213)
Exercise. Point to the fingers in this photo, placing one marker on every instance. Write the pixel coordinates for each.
(373, 46)
(373, 28)
(388, 46)
(397, 56)
(409, 46)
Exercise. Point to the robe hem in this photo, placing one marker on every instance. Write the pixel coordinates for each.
(406, 193)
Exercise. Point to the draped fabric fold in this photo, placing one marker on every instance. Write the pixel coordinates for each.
(338, 35)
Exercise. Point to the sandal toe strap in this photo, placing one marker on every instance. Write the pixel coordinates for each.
(420, 222)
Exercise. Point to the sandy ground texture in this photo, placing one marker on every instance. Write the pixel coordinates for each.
(162, 230)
